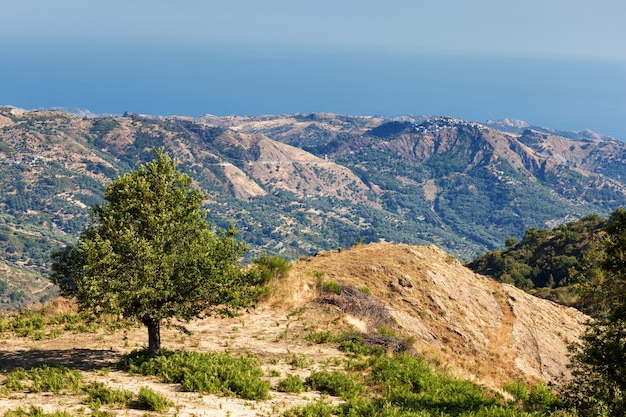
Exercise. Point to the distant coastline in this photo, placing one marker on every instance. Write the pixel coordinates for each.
(161, 80)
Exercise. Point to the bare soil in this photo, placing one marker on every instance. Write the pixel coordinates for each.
(463, 323)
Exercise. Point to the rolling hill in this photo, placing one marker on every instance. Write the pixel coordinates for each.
(299, 184)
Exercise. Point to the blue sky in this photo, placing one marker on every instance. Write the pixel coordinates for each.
(556, 63)
(578, 28)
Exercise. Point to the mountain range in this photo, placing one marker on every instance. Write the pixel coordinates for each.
(299, 184)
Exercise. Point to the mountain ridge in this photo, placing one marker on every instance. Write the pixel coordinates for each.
(299, 184)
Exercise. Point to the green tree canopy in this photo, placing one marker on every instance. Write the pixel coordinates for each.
(599, 363)
(150, 255)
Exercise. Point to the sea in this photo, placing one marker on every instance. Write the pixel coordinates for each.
(197, 79)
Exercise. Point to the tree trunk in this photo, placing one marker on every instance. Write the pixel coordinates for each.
(154, 336)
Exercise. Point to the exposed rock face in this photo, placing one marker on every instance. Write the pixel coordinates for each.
(481, 329)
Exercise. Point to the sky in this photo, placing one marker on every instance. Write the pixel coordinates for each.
(255, 57)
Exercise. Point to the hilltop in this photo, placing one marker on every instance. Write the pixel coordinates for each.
(299, 184)
(465, 325)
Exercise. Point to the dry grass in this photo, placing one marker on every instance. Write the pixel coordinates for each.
(462, 323)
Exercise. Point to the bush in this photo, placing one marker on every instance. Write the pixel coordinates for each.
(272, 267)
(153, 401)
(335, 383)
(322, 337)
(330, 286)
(34, 411)
(203, 372)
(293, 384)
(99, 394)
(518, 390)
(46, 378)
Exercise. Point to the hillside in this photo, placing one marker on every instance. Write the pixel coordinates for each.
(463, 324)
(299, 184)
(548, 262)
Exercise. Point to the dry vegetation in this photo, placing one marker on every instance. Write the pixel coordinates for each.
(398, 296)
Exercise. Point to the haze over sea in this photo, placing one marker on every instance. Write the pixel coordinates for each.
(161, 79)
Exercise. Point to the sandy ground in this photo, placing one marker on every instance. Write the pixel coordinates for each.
(274, 336)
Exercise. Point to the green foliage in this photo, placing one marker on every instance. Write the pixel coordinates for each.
(354, 345)
(34, 411)
(328, 286)
(322, 337)
(151, 256)
(272, 267)
(335, 383)
(203, 372)
(292, 383)
(546, 259)
(148, 399)
(45, 378)
(406, 386)
(98, 394)
(598, 386)
(518, 389)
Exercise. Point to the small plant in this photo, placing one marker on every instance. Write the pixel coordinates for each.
(272, 267)
(335, 383)
(152, 401)
(297, 361)
(322, 337)
(45, 378)
(34, 411)
(518, 390)
(354, 345)
(328, 286)
(293, 384)
(203, 372)
(365, 290)
(318, 409)
(541, 397)
(99, 394)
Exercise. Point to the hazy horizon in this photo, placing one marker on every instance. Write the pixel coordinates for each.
(558, 63)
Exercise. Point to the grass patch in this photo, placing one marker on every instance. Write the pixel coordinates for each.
(42, 324)
(98, 394)
(45, 378)
(34, 411)
(322, 337)
(406, 386)
(335, 383)
(152, 401)
(293, 384)
(211, 373)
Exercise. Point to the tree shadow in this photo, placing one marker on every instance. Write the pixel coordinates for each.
(79, 359)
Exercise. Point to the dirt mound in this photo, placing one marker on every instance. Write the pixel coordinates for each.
(478, 328)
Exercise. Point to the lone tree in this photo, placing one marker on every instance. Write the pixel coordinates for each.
(598, 364)
(150, 255)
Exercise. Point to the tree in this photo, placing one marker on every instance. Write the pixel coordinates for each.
(150, 255)
(598, 364)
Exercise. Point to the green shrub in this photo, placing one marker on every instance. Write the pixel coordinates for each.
(151, 400)
(45, 378)
(354, 345)
(203, 372)
(330, 286)
(335, 383)
(365, 290)
(34, 411)
(322, 337)
(293, 384)
(318, 409)
(272, 267)
(297, 361)
(518, 390)
(99, 394)
(541, 397)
